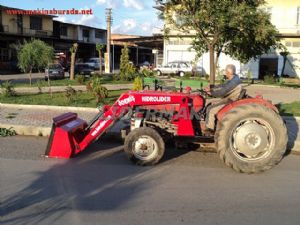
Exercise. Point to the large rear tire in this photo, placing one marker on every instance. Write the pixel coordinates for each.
(144, 146)
(251, 138)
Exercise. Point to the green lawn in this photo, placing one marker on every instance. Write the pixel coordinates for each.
(86, 99)
(291, 109)
(67, 82)
(193, 83)
(83, 99)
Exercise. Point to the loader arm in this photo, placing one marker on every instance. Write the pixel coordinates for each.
(71, 135)
(107, 120)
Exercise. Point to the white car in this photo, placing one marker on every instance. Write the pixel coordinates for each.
(95, 63)
(177, 67)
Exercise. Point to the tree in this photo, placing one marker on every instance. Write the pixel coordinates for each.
(127, 70)
(73, 51)
(138, 84)
(285, 55)
(239, 28)
(99, 48)
(35, 54)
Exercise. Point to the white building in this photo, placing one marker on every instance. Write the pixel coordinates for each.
(285, 15)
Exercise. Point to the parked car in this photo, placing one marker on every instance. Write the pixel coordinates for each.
(177, 67)
(83, 69)
(54, 71)
(145, 65)
(94, 63)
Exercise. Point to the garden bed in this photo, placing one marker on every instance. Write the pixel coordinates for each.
(81, 99)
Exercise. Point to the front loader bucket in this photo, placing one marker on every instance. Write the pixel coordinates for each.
(66, 134)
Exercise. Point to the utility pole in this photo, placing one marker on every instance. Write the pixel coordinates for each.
(108, 55)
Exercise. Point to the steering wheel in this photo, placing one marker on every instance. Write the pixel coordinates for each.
(201, 92)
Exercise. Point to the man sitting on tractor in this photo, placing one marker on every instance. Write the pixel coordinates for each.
(228, 92)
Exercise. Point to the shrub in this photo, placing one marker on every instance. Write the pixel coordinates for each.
(80, 79)
(138, 84)
(249, 76)
(8, 89)
(269, 79)
(147, 73)
(94, 86)
(187, 75)
(70, 94)
(281, 81)
(127, 69)
(4, 132)
(220, 76)
(206, 77)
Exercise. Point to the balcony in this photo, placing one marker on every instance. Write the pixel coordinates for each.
(26, 31)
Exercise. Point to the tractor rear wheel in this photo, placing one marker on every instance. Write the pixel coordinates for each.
(251, 138)
(144, 146)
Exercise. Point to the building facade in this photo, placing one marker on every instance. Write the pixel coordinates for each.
(15, 29)
(285, 15)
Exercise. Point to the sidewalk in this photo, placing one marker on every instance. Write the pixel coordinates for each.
(37, 120)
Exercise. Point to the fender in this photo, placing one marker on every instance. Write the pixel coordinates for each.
(257, 100)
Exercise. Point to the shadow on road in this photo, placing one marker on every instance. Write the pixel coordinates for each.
(293, 132)
(101, 179)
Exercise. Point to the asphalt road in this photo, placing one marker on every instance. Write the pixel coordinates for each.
(102, 187)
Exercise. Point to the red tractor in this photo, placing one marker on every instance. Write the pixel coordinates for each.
(250, 136)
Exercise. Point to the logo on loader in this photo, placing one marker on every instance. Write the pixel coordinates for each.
(101, 125)
(156, 99)
(126, 101)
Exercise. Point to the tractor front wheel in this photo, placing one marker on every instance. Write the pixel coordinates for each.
(144, 146)
(251, 138)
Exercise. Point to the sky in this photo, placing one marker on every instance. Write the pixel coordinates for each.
(136, 17)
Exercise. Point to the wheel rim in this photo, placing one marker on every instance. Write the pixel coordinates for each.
(252, 139)
(181, 74)
(145, 148)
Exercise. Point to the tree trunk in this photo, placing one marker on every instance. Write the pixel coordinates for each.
(30, 76)
(284, 63)
(212, 76)
(100, 57)
(217, 61)
(72, 66)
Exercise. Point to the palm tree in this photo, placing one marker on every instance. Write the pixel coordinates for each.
(99, 48)
(73, 51)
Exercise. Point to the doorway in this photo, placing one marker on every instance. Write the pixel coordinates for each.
(268, 66)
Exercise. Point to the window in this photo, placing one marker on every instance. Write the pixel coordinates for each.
(4, 55)
(298, 15)
(64, 30)
(36, 23)
(288, 44)
(180, 41)
(98, 34)
(86, 33)
(296, 44)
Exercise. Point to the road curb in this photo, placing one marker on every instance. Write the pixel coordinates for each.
(47, 107)
(272, 86)
(45, 132)
(291, 118)
(28, 130)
